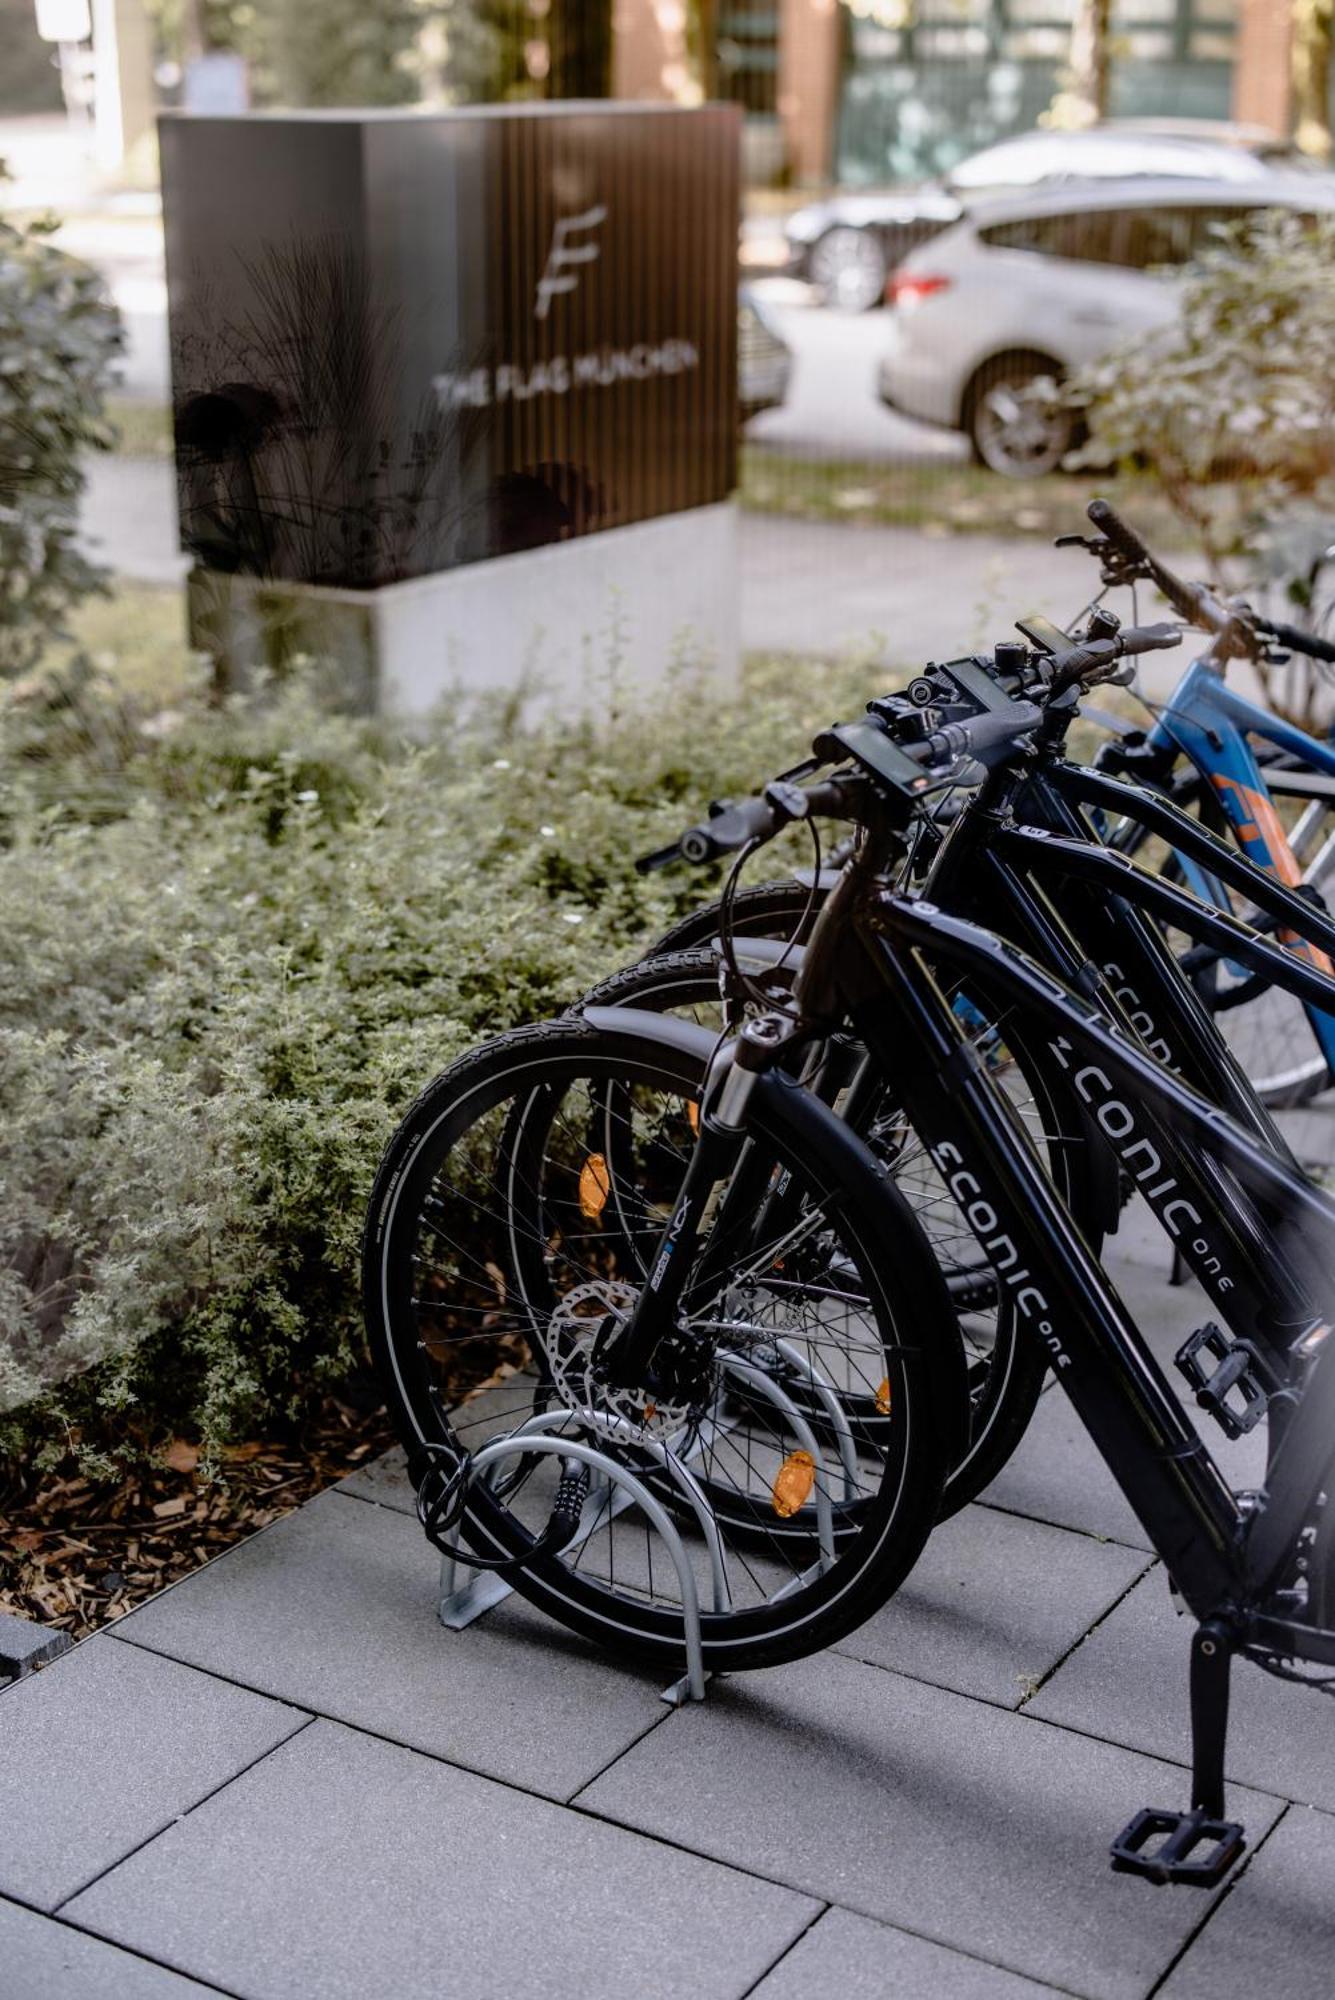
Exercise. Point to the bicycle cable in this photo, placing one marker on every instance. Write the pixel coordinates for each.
(766, 1002)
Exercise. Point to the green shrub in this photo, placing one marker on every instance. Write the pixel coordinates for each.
(59, 336)
(1242, 384)
(237, 943)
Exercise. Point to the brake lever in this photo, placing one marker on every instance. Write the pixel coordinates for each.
(1116, 569)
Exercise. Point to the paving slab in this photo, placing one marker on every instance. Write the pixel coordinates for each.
(343, 1866)
(25, 1646)
(335, 1608)
(1128, 1683)
(106, 1747)
(1275, 1933)
(964, 1823)
(853, 1958)
(994, 1603)
(384, 1481)
(1057, 1475)
(44, 1959)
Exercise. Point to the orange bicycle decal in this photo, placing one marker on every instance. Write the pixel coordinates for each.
(1265, 842)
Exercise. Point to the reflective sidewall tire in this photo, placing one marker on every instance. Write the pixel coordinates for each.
(905, 1304)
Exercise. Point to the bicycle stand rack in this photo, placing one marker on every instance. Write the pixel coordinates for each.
(616, 1489)
(459, 1607)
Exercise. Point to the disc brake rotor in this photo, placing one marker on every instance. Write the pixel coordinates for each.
(576, 1335)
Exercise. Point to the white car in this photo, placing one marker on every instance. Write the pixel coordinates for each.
(847, 244)
(1022, 291)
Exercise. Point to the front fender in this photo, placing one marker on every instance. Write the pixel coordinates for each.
(664, 1030)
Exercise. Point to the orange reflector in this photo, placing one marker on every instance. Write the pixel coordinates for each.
(594, 1186)
(793, 1483)
(693, 1115)
(883, 1397)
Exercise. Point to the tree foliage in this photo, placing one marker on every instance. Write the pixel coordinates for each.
(59, 336)
(328, 53)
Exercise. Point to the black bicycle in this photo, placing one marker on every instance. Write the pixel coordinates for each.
(818, 1453)
(1257, 1571)
(1022, 854)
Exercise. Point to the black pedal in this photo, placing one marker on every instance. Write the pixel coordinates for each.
(1184, 1847)
(1238, 1374)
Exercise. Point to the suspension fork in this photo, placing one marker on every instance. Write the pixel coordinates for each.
(714, 1159)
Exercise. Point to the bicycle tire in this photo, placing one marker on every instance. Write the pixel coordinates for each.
(926, 1369)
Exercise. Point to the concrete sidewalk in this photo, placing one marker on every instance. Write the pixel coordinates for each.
(282, 1780)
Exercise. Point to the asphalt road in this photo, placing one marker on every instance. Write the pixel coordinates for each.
(832, 409)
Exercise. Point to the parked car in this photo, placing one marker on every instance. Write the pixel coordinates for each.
(1020, 292)
(846, 247)
(764, 358)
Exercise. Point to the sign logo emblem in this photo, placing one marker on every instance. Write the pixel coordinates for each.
(557, 277)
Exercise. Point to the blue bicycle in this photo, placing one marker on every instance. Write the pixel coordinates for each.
(1242, 762)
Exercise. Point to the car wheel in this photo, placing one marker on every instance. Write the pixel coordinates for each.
(1017, 423)
(848, 269)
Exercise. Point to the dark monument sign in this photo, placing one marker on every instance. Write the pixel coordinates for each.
(406, 342)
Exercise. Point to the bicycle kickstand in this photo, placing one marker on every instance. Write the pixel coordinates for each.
(1197, 1847)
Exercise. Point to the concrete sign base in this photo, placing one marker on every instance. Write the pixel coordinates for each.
(571, 626)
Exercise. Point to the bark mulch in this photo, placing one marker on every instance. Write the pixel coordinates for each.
(76, 1553)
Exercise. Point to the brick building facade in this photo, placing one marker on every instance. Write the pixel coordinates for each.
(877, 90)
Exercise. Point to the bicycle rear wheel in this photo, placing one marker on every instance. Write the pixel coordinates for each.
(1006, 1367)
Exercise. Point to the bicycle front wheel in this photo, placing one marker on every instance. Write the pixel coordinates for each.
(820, 1387)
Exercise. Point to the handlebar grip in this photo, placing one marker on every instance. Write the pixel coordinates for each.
(1299, 641)
(984, 738)
(1119, 532)
(1148, 638)
(729, 830)
(1078, 663)
(1124, 538)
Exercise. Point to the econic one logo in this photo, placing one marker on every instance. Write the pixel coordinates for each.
(557, 276)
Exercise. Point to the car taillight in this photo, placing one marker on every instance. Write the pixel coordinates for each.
(910, 288)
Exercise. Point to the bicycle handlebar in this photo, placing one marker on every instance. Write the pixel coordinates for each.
(1096, 657)
(1196, 602)
(733, 827)
(1182, 596)
(983, 738)
(1299, 641)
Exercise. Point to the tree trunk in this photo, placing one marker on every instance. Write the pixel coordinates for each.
(1310, 60)
(1083, 98)
(581, 48)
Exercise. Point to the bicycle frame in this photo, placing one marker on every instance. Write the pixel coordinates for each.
(1215, 1550)
(874, 961)
(1077, 908)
